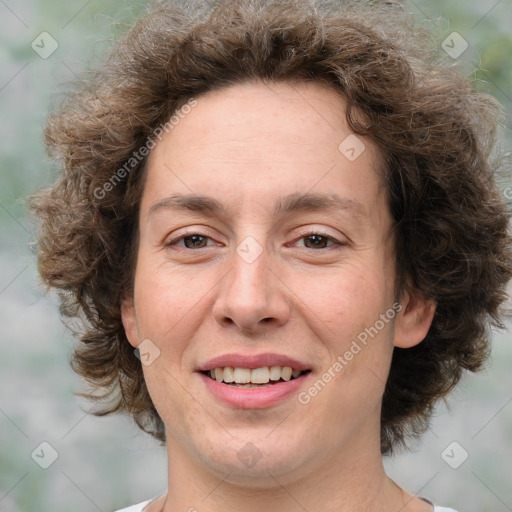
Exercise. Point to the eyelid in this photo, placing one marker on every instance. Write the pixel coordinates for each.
(302, 233)
(171, 240)
(310, 231)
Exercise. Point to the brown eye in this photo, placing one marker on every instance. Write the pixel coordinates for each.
(190, 241)
(195, 241)
(316, 241)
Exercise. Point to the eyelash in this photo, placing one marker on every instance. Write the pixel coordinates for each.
(329, 238)
(303, 235)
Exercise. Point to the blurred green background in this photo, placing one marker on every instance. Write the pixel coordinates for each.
(105, 463)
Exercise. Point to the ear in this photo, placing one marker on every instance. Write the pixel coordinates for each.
(128, 317)
(414, 320)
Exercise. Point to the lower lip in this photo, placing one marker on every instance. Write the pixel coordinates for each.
(253, 398)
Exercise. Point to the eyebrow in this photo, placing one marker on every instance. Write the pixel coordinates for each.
(310, 202)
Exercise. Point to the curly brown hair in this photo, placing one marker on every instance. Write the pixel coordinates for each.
(433, 130)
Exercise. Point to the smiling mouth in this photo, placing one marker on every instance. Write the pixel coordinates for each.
(253, 378)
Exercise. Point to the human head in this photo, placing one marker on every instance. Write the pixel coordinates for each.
(432, 130)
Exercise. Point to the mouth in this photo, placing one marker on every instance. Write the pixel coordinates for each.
(254, 378)
(254, 381)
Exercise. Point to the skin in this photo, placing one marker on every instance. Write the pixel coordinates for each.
(248, 146)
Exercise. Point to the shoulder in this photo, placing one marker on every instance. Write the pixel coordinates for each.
(135, 508)
(436, 508)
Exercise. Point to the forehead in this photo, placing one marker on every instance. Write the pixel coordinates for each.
(300, 114)
(255, 138)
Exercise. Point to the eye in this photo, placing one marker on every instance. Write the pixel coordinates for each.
(311, 240)
(316, 240)
(189, 241)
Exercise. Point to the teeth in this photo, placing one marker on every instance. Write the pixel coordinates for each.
(242, 375)
(275, 373)
(229, 374)
(286, 373)
(261, 375)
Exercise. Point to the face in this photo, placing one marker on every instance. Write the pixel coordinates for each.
(265, 241)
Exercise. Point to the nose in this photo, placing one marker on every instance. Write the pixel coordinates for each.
(252, 297)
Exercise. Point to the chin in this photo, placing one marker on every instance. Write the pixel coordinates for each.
(254, 459)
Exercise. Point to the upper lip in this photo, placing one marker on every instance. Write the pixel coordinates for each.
(252, 361)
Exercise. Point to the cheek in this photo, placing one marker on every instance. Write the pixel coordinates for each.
(359, 342)
(168, 304)
(347, 309)
(346, 300)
